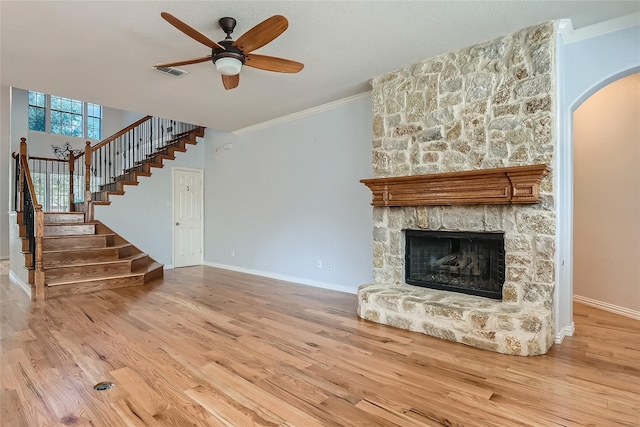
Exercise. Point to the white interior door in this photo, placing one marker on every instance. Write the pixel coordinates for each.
(187, 217)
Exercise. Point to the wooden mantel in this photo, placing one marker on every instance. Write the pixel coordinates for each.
(500, 186)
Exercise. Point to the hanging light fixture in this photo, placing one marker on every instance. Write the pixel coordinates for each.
(228, 66)
(229, 59)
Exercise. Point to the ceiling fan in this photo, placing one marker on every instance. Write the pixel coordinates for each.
(229, 55)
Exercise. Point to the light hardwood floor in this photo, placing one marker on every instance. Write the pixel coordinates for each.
(209, 347)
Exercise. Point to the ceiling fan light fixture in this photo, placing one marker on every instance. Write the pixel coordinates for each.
(228, 66)
(229, 55)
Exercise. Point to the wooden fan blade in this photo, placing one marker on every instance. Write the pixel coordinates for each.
(272, 63)
(262, 34)
(190, 31)
(230, 82)
(187, 62)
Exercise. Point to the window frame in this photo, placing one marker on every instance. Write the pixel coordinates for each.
(42, 108)
(91, 123)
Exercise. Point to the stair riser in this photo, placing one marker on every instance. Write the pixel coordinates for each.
(127, 179)
(139, 263)
(62, 218)
(28, 260)
(114, 186)
(69, 229)
(95, 285)
(139, 169)
(86, 271)
(95, 241)
(157, 273)
(56, 259)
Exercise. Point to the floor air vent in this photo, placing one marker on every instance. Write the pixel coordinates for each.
(175, 72)
(104, 385)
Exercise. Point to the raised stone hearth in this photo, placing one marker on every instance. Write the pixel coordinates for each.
(486, 110)
(480, 322)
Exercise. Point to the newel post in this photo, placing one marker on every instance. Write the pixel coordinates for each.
(88, 205)
(39, 273)
(72, 198)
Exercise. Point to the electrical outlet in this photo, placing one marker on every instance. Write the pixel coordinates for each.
(319, 263)
(233, 252)
(329, 265)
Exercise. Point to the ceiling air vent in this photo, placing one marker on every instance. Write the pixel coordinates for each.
(175, 72)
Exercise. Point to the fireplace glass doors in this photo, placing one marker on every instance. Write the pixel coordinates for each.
(470, 263)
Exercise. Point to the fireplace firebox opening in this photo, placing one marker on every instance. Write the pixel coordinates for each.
(466, 262)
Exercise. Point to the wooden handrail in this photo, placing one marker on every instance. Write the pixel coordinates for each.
(27, 174)
(48, 159)
(24, 165)
(120, 133)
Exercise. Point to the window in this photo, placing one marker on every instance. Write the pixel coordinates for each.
(37, 111)
(66, 116)
(94, 120)
(52, 189)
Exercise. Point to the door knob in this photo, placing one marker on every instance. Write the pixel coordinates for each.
(177, 223)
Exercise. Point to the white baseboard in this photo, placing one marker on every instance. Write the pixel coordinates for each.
(566, 331)
(615, 309)
(4, 257)
(22, 285)
(284, 278)
(168, 267)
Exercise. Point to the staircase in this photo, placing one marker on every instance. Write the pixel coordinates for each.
(81, 257)
(69, 252)
(178, 144)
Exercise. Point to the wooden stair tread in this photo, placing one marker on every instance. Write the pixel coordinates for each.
(136, 273)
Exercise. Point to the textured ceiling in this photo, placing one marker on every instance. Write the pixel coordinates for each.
(102, 51)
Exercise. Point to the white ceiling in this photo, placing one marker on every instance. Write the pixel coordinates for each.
(102, 51)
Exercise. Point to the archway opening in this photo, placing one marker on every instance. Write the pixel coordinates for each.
(606, 189)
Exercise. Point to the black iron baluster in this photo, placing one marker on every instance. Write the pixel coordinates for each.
(28, 216)
(109, 163)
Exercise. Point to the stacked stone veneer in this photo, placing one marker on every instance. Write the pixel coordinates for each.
(490, 105)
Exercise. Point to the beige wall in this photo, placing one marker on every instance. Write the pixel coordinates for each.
(607, 195)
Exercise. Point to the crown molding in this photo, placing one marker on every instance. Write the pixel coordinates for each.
(303, 113)
(572, 35)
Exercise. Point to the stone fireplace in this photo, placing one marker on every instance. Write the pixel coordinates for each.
(487, 109)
